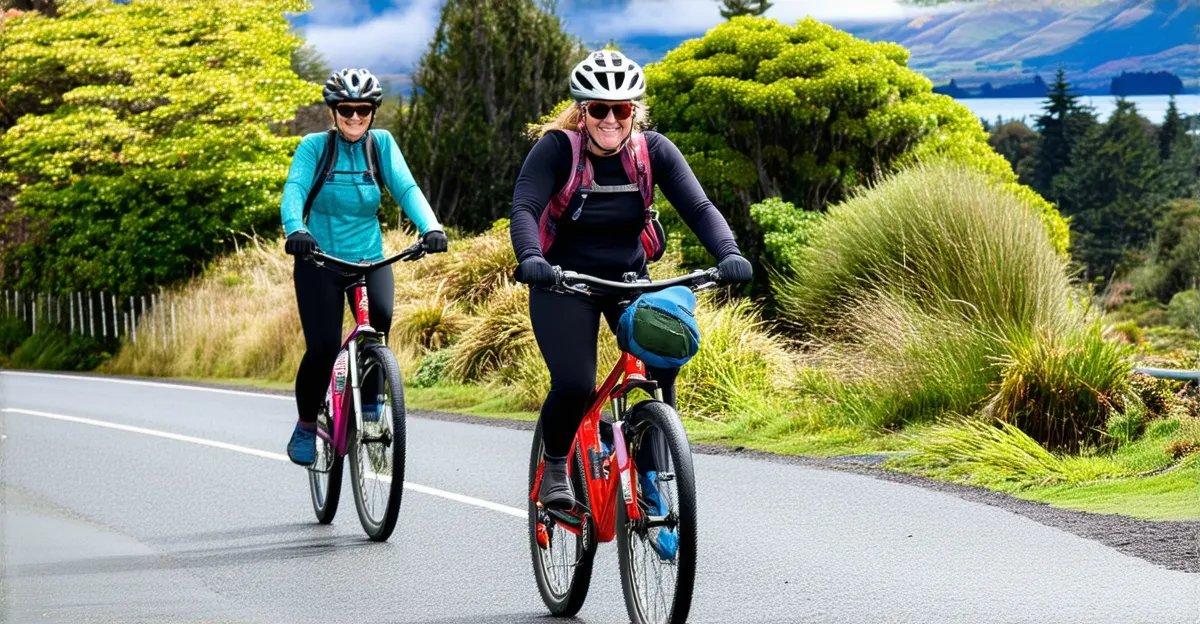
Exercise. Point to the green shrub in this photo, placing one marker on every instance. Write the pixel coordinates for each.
(1125, 427)
(147, 135)
(1154, 394)
(808, 113)
(430, 323)
(1184, 309)
(56, 350)
(1062, 388)
(786, 230)
(13, 331)
(1127, 331)
(431, 369)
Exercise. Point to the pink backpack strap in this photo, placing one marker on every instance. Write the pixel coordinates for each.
(580, 173)
(636, 160)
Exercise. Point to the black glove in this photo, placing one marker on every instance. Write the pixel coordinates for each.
(535, 271)
(735, 269)
(434, 241)
(300, 244)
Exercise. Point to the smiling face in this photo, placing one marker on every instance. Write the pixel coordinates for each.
(352, 119)
(609, 123)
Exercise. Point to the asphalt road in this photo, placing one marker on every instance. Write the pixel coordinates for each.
(128, 501)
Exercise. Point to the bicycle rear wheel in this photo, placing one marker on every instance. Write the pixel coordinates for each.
(658, 552)
(563, 569)
(377, 456)
(325, 473)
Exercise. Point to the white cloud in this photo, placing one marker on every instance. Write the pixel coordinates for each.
(388, 43)
(691, 17)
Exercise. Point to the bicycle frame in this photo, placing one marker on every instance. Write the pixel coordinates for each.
(603, 483)
(347, 364)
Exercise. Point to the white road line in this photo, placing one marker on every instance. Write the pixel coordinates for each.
(156, 384)
(416, 487)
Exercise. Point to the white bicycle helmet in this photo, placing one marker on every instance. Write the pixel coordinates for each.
(607, 75)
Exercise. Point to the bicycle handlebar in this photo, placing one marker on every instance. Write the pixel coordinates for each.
(578, 282)
(413, 252)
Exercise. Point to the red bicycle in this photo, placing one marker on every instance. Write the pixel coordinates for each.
(654, 519)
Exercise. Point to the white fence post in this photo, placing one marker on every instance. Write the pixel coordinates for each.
(116, 318)
(91, 316)
(132, 320)
(34, 316)
(174, 333)
(103, 318)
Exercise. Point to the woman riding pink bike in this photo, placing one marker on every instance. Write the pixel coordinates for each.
(330, 202)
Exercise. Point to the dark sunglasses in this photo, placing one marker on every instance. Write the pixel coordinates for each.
(347, 111)
(620, 110)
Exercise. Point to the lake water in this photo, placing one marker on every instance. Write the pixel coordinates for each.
(1153, 107)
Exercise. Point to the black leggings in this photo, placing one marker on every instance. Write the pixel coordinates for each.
(566, 327)
(319, 295)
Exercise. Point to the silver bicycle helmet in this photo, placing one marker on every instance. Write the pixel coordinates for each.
(607, 75)
(353, 85)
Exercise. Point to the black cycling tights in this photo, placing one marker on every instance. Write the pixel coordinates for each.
(319, 295)
(566, 327)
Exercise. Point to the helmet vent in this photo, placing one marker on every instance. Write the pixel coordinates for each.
(602, 78)
(620, 79)
(587, 84)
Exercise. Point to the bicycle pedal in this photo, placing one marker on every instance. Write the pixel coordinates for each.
(566, 517)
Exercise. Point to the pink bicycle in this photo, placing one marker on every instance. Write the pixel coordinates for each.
(368, 426)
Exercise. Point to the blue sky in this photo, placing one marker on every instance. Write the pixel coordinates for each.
(389, 36)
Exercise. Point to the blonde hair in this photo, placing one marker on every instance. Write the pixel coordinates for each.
(566, 116)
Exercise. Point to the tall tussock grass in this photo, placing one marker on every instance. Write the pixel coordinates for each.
(936, 292)
(940, 236)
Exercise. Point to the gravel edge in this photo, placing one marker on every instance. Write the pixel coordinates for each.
(1174, 545)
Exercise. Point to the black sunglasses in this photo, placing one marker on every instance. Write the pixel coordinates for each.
(347, 111)
(620, 110)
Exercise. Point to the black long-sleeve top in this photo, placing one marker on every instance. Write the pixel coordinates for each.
(604, 240)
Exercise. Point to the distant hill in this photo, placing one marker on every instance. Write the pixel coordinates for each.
(1007, 42)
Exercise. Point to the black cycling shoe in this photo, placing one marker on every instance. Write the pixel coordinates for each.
(555, 491)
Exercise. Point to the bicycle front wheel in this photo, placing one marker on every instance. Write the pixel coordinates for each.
(658, 551)
(377, 453)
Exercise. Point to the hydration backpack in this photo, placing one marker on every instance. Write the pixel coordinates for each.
(635, 158)
(329, 159)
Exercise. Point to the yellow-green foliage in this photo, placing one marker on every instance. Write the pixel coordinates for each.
(807, 113)
(146, 134)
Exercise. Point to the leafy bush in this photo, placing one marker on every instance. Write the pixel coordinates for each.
(146, 135)
(13, 331)
(808, 113)
(1184, 309)
(1061, 389)
(1154, 394)
(431, 369)
(786, 230)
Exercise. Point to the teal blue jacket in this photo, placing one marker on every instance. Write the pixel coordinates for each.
(343, 217)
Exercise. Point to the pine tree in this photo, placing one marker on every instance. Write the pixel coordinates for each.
(735, 8)
(1180, 154)
(492, 67)
(1113, 191)
(1063, 125)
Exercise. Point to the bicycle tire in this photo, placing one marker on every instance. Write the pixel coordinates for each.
(379, 529)
(632, 544)
(325, 487)
(570, 601)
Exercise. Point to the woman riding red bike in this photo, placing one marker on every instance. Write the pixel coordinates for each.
(602, 226)
(340, 218)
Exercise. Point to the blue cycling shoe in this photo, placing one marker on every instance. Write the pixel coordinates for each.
(663, 539)
(302, 448)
